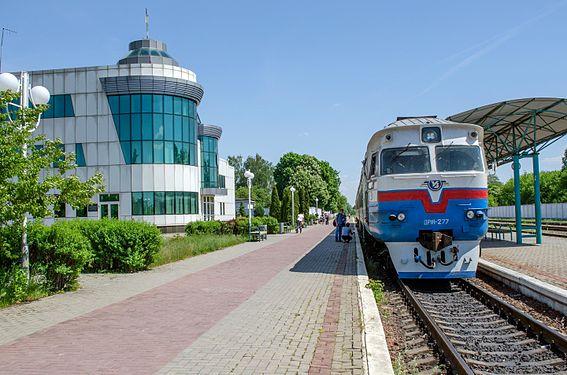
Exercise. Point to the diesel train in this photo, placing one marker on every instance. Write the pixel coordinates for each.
(423, 193)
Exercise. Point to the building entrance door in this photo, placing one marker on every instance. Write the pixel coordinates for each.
(109, 205)
(208, 207)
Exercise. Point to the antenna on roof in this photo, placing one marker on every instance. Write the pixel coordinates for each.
(2, 43)
(147, 25)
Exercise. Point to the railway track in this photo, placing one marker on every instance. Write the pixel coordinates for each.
(548, 229)
(478, 333)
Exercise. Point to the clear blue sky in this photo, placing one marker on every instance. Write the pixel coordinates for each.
(317, 77)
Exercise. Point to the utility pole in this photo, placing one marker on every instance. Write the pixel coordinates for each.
(2, 43)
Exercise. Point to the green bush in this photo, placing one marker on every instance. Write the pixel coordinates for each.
(10, 246)
(120, 246)
(13, 285)
(59, 253)
(203, 227)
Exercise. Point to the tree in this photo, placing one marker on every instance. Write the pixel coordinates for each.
(258, 194)
(258, 210)
(564, 161)
(238, 165)
(494, 190)
(285, 215)
(263, 171)
(241, 210)
(29, 185)
(275, 204)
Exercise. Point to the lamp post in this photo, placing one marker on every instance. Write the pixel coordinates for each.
(292, 189)
(317, 209)
(38, 95)
(249, 176)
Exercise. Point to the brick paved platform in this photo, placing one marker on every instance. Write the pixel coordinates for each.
(286, 306)
(546, 262)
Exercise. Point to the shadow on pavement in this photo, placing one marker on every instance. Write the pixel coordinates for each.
(324, 257)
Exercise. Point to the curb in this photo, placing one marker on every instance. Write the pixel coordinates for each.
(552, 296)
(378, 359)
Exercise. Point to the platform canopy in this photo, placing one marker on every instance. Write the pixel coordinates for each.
(519, 126)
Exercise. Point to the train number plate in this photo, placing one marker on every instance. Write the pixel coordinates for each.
(435, 221)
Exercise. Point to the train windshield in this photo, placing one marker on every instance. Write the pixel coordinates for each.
(405, 160)
(454, 158)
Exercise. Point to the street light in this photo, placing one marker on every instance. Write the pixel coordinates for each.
(38, 95)
(317, 209)
(292, 189)
(249, 176)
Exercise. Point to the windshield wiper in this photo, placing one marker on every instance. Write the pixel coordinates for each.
(445, 149)
(400, 153)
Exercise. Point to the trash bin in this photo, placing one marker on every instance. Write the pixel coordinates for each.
(281, 228)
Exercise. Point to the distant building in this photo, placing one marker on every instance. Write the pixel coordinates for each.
(137, 122)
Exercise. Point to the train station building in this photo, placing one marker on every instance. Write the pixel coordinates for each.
(137, 122)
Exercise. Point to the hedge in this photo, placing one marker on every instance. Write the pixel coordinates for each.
(237, 227)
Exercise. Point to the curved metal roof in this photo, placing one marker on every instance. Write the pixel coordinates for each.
(519, 126)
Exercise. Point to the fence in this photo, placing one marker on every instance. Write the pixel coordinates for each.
(548, 211)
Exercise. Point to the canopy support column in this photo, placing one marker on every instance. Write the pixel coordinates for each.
(517, 199)
(537, 197)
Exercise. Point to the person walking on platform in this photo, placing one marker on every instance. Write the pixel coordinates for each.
(340, 221)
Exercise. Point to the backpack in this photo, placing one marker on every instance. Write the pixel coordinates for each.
(334, 222)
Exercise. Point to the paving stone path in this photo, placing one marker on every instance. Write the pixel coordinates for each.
(251, 309)
(546, 262)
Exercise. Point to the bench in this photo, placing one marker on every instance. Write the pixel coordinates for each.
(500, 230)
(259, 233)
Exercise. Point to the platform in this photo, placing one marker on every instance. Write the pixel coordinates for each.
(546, 262)
(288, 305)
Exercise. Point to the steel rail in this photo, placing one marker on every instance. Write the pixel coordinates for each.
(454, 358)
(506, 311)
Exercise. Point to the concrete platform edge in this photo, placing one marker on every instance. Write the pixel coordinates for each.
(378, 359)
(552, 296)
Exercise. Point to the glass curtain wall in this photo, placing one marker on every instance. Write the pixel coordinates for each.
(209, 160)
(155, 129)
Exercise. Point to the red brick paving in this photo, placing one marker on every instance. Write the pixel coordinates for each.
(323, 357)
(143, 333)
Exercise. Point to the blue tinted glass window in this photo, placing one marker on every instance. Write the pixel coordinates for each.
(168, 151)
(147, 103)
(158, 126)
(192, 154)
(124, 103)
(158, 152)
(158, 104)
(148, 203)
(185, 126)
(185, 111)
(169, 202)
(136, 127)
(185, 153)
(124, 127)
(159, 202)
(179, 202)
(192, 131)
(147, 127)
(192, 108)
(136, 105)
(58, 106)
(136, 152)
(80, 155)
(137, 204)
(167, 104)
(177, 128)
(177, 106)
(49, 113)
(186, 203)
(116, 120)
(69, 112)
(177, 153)
(147, 152)
(144, 52)
(114, 104)
(126, 152)
(168, 127)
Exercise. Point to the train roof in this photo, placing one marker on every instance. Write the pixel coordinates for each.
(412, 121)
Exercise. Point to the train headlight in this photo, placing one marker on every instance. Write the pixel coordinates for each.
(401, 216)
(479, 214)
(470, 214)
(431, 135)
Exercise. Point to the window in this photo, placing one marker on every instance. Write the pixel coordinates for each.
(402, 160)
(59, 209)
(109, 198)
(164, 203)
(454, 158)
(81, 212)
(155, 118)
(372, 170)
(80, 155)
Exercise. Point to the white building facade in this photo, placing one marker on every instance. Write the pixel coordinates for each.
(137, 123)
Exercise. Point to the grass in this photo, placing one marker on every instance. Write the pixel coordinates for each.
(181, 247)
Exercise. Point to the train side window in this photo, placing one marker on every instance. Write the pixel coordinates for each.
(372, 170)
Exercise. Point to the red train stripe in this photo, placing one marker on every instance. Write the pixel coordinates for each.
(423, 196)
